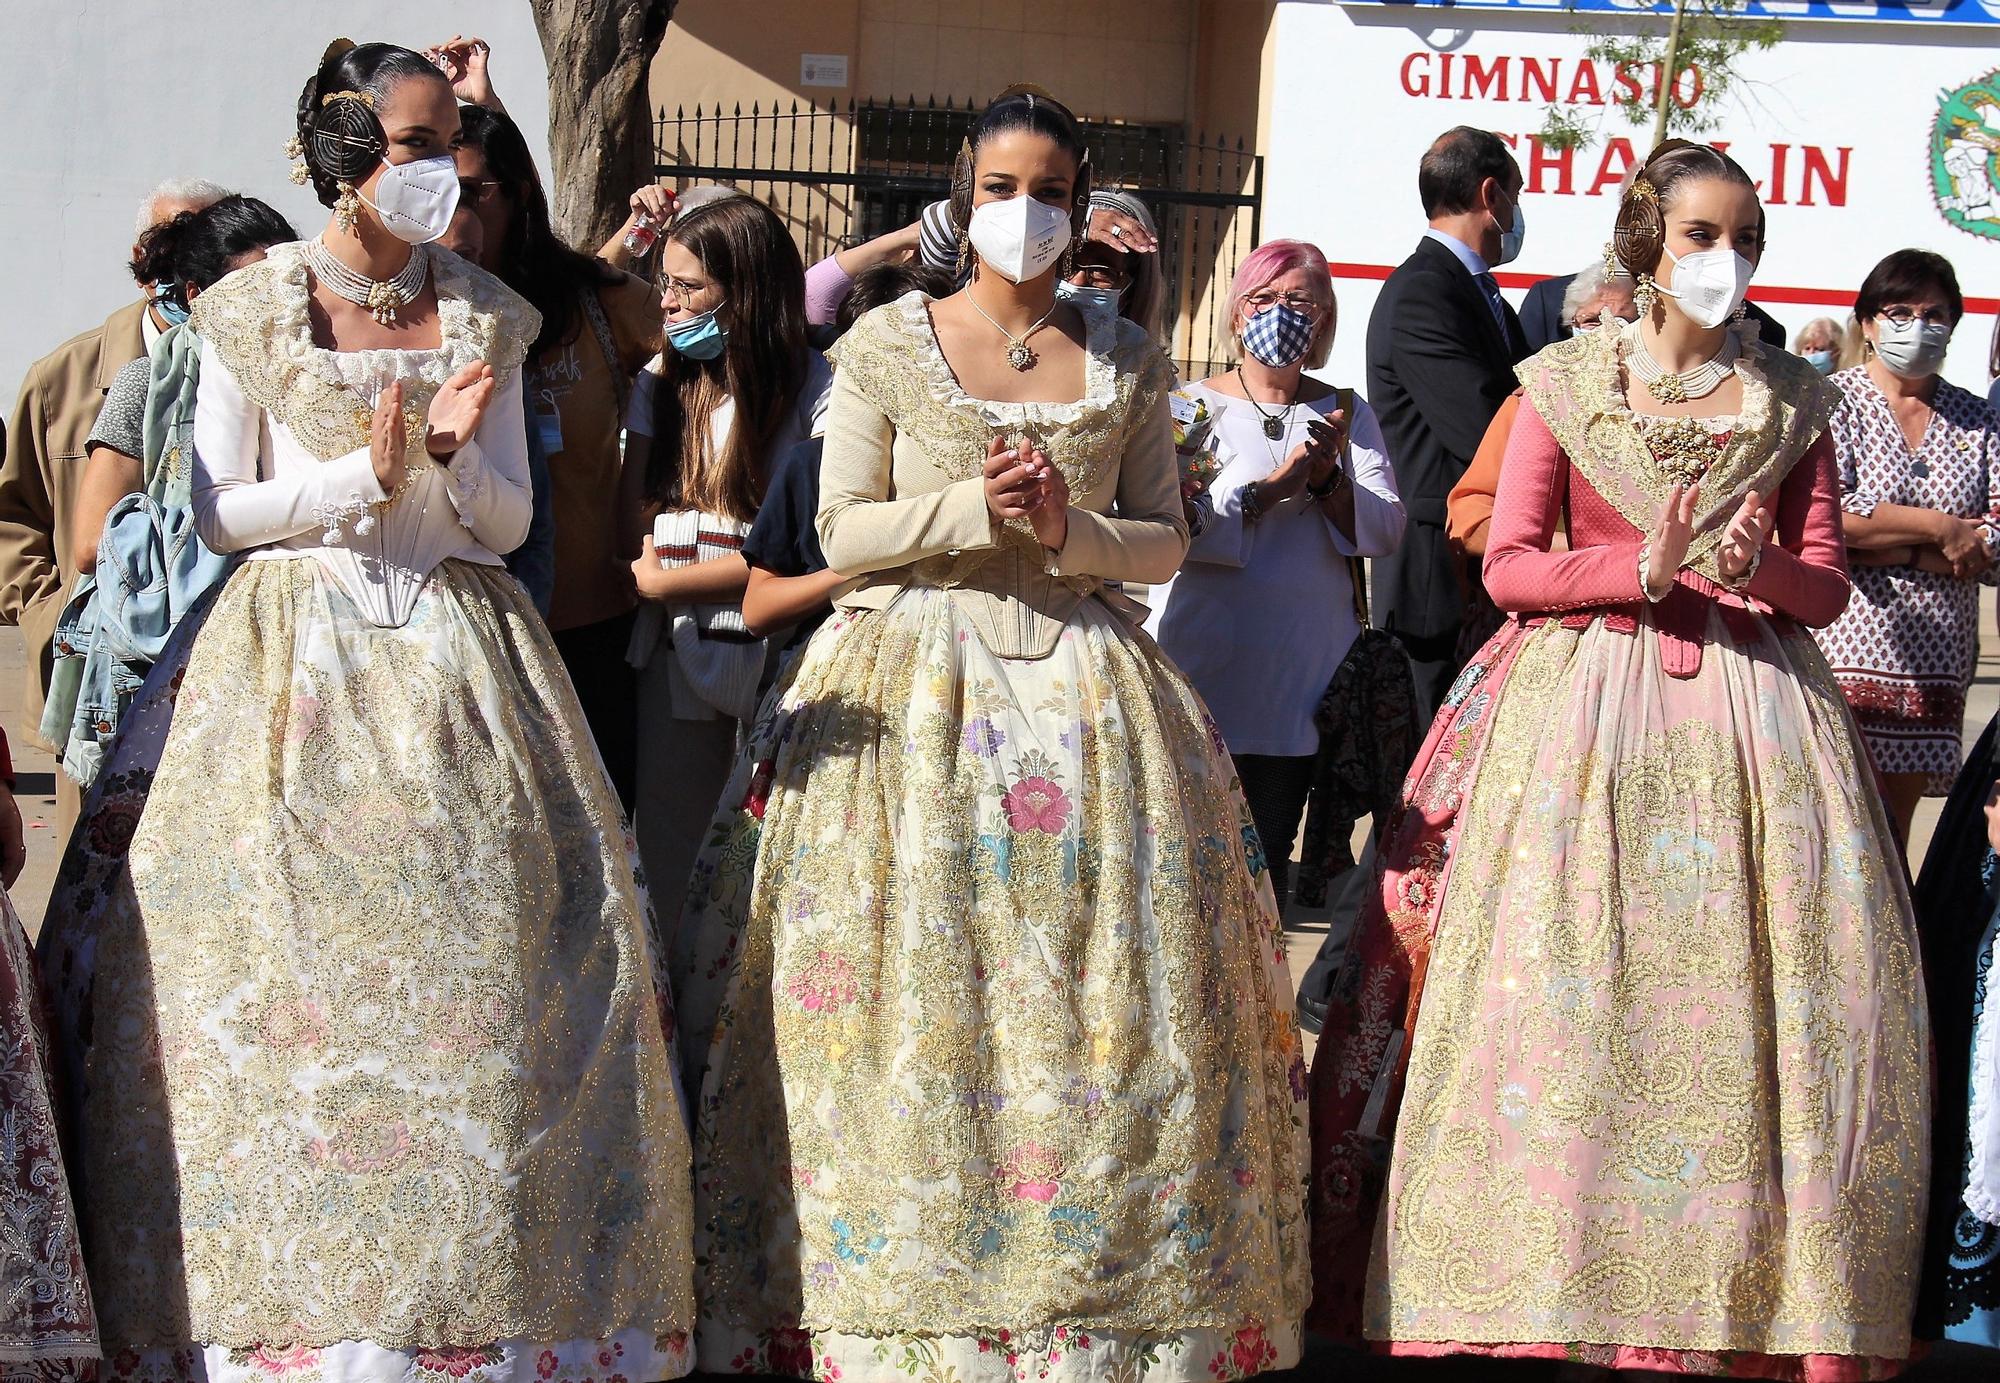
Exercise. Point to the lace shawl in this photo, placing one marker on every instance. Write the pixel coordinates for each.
(258, 322)
(1577, 387)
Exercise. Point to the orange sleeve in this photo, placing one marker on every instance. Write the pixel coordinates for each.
(1470, 506)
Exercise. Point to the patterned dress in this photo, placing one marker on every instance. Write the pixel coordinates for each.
(48, 1328)
(1666, 1100)
(999, 1075)
(1904, 650)
(360, 1032)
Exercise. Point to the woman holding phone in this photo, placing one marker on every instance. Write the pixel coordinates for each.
(1010, 993)
(1305, 488)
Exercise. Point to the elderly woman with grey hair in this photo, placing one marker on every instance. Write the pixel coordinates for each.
(1819, 341)
(1593, 295)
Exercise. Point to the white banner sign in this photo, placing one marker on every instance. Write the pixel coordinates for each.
(1860, 146)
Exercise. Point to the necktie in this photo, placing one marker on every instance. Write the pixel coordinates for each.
(1490, 286)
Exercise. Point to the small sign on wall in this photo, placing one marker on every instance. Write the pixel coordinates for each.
(823, 69)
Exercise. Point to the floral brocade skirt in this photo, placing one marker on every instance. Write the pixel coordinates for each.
(999, 1074)
(362, 1040)
(1666, 1103)
(48, 1327)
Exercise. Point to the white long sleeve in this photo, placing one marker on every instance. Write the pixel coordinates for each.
(259, 491)
(1378, 509)
(487, 479)
(237, 506)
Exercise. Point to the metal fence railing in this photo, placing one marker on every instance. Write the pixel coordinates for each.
(840, 175)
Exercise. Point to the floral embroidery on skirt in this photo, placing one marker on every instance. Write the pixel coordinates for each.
(1000, 1072)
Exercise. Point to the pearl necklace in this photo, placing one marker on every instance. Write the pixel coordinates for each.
(1688, 385)
(379, 297)
(1019, 353)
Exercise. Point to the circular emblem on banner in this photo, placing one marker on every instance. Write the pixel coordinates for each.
(1965, 156)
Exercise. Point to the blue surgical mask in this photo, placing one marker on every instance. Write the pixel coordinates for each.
(1511, 238)
(1821, 361)
(1089, 297)
(171, 312)
(699, 337)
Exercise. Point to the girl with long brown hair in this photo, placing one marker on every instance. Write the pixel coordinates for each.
(736, 388)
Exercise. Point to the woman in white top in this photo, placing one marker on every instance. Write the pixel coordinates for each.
(366, 1064)
(1263, 611)
(736, 388)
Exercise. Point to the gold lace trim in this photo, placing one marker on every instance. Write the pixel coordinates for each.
(1577, 388)
(892, 355)
(257, 321)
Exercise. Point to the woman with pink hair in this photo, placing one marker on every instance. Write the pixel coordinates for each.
(1264, 610)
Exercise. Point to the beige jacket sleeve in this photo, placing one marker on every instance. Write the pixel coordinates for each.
(861, 529)
(1147, 538)
(29, 573)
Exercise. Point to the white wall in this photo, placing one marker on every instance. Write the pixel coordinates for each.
(1346, 136)
(108, 98)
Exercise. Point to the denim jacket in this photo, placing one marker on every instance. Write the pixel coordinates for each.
(152, 569)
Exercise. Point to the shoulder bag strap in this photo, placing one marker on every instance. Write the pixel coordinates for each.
(1357, 570)
(600, 326)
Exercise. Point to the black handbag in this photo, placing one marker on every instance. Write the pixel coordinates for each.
(1369, 734)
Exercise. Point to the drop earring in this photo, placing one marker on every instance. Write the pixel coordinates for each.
(1644, 295)
(347, 208)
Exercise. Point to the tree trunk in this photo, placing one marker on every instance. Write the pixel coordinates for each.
(1670, 72)
(600, 53)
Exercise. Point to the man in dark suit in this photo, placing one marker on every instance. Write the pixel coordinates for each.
(1442, 344)
(1541, 316)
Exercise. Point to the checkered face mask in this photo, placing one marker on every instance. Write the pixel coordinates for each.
(1278, 336)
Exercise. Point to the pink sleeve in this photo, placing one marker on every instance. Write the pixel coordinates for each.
(827, 287)
(1521, 574)
(1803, 572)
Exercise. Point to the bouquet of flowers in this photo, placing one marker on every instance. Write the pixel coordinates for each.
(1194, 427)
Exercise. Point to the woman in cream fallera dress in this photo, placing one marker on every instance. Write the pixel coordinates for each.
(1003, 1081)
(360, 1026)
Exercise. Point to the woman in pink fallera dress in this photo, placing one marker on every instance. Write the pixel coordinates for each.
(1665, 1104)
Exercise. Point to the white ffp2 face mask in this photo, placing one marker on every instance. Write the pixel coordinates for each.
(415, 200)
(1020, 238)
(1709, 285)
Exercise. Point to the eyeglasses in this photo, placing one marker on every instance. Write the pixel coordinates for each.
(1103, 276)
(1263, 300)
(681, 291)
(1902, 314)
(473, 191)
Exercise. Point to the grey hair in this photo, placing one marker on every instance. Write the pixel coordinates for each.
(1833, 331)
(198, 190)
(1583, 290)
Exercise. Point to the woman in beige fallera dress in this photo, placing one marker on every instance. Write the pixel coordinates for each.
(1001, 1079)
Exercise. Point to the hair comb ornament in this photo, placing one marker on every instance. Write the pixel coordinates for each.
(1644, 191)
(366, 98)
(295, 150)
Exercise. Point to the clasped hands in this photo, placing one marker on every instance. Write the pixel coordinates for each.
(455, 414)
(1742, 541)
(1022, 483)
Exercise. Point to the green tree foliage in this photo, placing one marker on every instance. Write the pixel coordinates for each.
(1705, 37)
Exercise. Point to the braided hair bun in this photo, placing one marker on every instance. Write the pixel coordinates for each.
(339, 132)
(1640, 237)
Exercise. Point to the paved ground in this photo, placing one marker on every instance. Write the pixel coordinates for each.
(35, 772)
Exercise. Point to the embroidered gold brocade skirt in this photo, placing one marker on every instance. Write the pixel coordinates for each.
(1667, 1087)
(365, 1050)
(1003, 1080)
